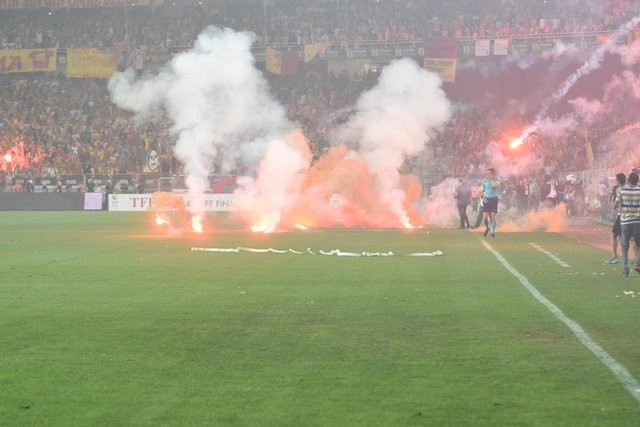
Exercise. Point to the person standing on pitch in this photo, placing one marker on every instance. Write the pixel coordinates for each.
(628, 201)
(603, 197)
(462, 194)
(616, 230)
(489, 190)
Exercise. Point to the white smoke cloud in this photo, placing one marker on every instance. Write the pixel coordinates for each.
(394, 120)
(551, 128)
(588, 110)
(520, 162)
(615, 92)
(440, 207)
(222, 114)
(265, 199)
(218, 102)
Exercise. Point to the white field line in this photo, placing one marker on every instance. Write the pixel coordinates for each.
(620, 372)
(550, 255)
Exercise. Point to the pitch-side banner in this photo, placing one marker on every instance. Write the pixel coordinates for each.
(27, 60)
(144, 202)
(26, 4)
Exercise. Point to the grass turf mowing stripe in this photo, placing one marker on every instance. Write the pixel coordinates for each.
(620, 372)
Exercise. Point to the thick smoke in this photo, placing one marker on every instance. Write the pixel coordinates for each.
(593, 63)
(218, 103)
(223, 116)
(395, 120)
(358, 182)
(264, 200)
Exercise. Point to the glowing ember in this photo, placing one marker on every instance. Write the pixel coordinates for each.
(525, 134)
(260, 228)
(301, 227)
(406, 223)
(162, 219)
(196, 224)
(168, 212)
(7, 157)
(516, 143)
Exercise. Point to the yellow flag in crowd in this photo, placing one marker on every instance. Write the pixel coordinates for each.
(312, 50)
(282, 63)
(589, 149)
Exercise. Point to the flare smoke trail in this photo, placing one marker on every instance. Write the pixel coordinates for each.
(592, 64)
(218, 102)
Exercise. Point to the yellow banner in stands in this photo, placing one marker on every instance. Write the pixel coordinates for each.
(273, 61)
(27, 4)
(91, 63)
(311, 50)
(27, 60)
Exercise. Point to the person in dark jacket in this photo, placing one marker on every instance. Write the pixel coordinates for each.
(462, 194)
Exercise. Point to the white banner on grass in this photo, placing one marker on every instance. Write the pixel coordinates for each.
(144, 202)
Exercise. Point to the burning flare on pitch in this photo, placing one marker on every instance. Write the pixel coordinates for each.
(168, 212)
(196, 224)
(406, 223)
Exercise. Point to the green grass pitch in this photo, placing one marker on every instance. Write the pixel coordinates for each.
(106, 321)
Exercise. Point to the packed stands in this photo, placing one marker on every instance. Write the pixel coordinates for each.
(52, 124)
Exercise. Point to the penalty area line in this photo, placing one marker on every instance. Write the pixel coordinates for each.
(619, 371)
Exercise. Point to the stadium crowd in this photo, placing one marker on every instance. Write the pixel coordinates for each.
(52, 125)
(176, 24)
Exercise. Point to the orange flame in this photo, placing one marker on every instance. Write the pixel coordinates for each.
(262, 227)
(168, 210)
(196, 224)
(406, 223)
(162, 219)
(340, 189)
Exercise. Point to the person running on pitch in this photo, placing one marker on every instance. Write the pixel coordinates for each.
(489, 190)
